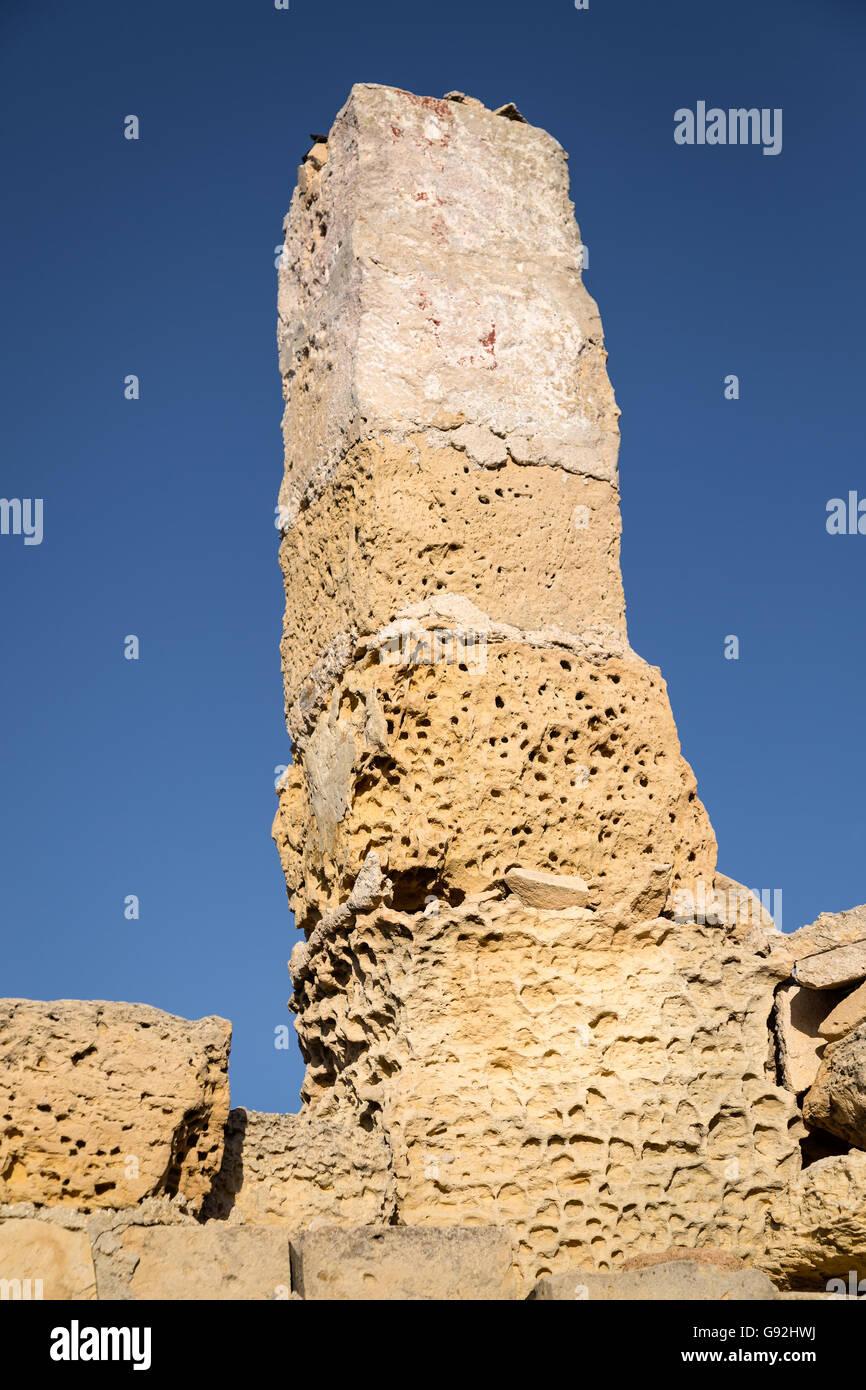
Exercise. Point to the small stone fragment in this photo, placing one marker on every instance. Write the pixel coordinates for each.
(799, 1015)
(837, 1100)
(832, 969)
(542, 890)
(846, 1016)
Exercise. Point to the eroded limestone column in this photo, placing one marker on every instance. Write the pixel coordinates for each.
(489, 813)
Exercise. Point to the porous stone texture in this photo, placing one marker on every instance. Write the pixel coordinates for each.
(545, 760)
(836, 1101)
(681, 1280)
(302, 1170)
(42, 1261)
(454, 647)
(402, 1263)
(102, 1105)
(592, 1085)
(816, 1225)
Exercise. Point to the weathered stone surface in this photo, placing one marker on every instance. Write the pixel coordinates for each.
(816, 1225)
(681, 1280)
(398, 1262)
(545, 758)
(421, 288)
(102, 1105)
(474, 504)
(738, 906)
(533, 548)
(41, 1261)
(798, 1019)
(195, 1262)
(301, 1170)
(721, 1259)
(829, 930)
(800, 1296)
(590, 1085)
(847, 1015)
(832, 969)
(837, 1099)
(546, 891)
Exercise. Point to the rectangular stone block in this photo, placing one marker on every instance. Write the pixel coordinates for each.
(681, 1281)
(213, 1261)
(407, 1263)
(421, 287)
(829, 930)
(40, 1260)
(832, 969)
(403, 520)
(536, 757)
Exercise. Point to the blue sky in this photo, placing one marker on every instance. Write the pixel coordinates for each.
(155, 777)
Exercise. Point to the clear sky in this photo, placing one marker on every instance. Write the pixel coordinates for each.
(156, 257)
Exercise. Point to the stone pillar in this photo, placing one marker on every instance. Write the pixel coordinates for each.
(488, 813)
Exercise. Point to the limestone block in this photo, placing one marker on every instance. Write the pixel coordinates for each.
(104, 1104)
(681, 1280)
(405, 1263)
(421, 288)
(546, 891)
(829, 930)
(837, 1099)
(846, 1016)
(42, 1261)
(301, 1170)
(798, 1019)
(401, 522)
(738, 905)
(721, 1259)
(591, 1084)
(816, 1224)
(200, 1262)
(454, 774)
(832, 969)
